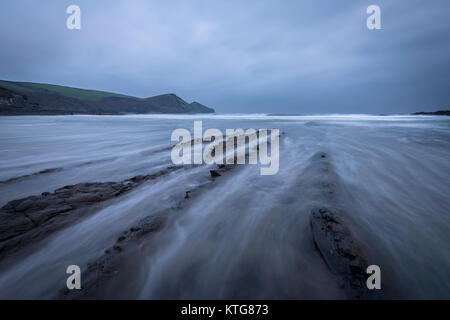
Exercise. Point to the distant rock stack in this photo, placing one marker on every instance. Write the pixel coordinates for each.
(434, 113)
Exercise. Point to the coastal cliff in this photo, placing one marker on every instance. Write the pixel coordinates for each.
(26, 98)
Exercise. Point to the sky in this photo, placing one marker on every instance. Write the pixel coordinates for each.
(265, 56)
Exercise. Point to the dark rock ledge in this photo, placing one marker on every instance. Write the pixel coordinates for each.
(107, 276)
(331, 227)
(31, 219)
(341, 253)
(112, 268)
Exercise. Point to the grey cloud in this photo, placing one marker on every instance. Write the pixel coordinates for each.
(239, 56)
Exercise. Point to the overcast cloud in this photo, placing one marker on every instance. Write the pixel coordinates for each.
(314, 56)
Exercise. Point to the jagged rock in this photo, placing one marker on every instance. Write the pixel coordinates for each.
(31, 219)
(341, 253)
(214, 173)
(113, 262)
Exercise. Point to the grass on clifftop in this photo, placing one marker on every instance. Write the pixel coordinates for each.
(30, 87)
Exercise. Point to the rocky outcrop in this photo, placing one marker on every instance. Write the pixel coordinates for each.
(331, 229)
(31, 219)
(114, 263)
(434, 113)
(341, 253)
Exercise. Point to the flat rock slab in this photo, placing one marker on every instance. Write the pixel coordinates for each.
(31, 219)
(341, 253)
(113, 266)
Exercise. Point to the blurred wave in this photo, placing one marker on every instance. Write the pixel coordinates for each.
(249, 236)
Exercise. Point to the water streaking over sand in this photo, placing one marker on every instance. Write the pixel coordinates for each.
(246, 236)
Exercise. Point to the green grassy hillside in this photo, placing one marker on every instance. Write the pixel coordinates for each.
(22, 98)
(30, 87)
